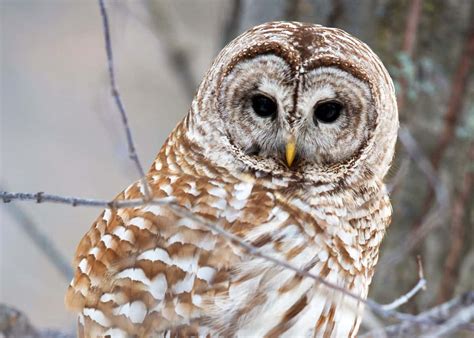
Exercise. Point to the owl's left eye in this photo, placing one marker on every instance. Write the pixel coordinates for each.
(327, 112)
(264, 106)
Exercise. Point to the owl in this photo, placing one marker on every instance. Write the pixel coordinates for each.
(286, 146)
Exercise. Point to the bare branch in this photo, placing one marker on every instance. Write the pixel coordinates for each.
(41, 197)
(118, 100)
(453, 323)
(448, 317)
(406, 297)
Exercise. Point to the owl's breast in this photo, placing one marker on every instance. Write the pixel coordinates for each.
(334, 237)
(264, 299)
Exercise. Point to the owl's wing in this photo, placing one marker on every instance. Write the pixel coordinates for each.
(145, 270)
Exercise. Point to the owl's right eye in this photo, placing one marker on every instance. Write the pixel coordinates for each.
(264, 106)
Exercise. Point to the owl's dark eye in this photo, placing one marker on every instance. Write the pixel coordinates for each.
(264, 106)
(327, 112)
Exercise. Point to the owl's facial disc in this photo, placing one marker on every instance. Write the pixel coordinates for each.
(287, 122)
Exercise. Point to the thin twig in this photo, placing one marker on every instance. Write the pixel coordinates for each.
(421, 284)
(181, 211)
(118, 100)
(448, 317)
(41, 197)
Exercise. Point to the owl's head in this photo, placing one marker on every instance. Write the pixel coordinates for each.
(297, 100)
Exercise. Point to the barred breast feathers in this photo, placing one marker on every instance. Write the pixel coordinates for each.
(162, 271)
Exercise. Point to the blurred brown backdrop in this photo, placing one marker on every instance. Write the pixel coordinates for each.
(60, 130)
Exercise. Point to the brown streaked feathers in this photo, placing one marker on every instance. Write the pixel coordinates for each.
(145, 271)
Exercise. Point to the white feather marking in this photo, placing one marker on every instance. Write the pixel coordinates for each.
(218, 192)
(220, 204)
(353, 252)
(189, 223)
(188, 264)
(81, 319)
(156, 254)
(94, 251)
(167, 189)
(124, 234)
(266, 319)
(184, 285)
(237, 204)
(345, 316)
(84, 266)
(192, 189)
(139, 222)
(304, 257)
(243, 190)
(107, 297)
(206, 242)
(239, 293)
(231, 215)
(346, 237)
(158, 287)
(301, 205)
(107, 240)
(270, 228)
(154, 209)
(107, 215)
(333, 220)
(206, 273)
(141, 187)
(308, 317)
(135, 274)
(196, 299)
(279, 182)
(97, 316)
(135, 311)
(323, 255)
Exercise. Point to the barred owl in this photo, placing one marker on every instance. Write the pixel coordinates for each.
(286, 145)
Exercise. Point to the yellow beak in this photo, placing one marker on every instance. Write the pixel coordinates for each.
(290, 150)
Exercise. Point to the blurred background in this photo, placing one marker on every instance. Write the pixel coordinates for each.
(60, 131)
